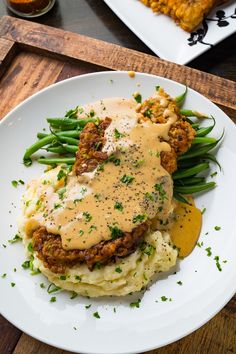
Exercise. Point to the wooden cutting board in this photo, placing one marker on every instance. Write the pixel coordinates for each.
(33, 56)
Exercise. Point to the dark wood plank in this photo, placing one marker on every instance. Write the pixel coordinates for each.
(7, 53)
(9, 336)
(27, 74)
(55, 42)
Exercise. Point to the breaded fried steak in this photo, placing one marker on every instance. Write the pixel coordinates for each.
(103, 212)
(187, 13)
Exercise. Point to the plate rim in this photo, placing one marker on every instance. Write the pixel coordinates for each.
(108, 73)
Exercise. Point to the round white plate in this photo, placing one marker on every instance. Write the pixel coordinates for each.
(67, 323)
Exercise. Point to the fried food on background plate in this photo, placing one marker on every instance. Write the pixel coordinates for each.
(188, 14)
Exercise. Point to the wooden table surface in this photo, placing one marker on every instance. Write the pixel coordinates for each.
(93, 18)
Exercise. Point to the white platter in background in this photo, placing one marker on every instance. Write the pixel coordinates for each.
(169, 41)
(67, 323)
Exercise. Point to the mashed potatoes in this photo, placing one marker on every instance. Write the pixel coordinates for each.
(129, 274)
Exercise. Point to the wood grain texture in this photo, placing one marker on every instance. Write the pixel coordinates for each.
(7, 52)
(9, 336)
(27, 74)
(31, 71)
(58, 43)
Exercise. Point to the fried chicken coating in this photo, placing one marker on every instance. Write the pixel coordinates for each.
(186, 13)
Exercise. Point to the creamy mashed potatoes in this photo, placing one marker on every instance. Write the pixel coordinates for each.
(64, 204)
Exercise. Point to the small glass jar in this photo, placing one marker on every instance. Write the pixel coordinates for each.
(30, 8)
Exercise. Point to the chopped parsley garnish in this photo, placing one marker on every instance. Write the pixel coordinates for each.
(42, 285)
(14, 183)
(148, 113)
(139, 218)
(137, 97)
(88, 306)
(135, 304)
(100, 167)
(63, 277)
(13, 284)
(52, 288)
(209, 253)
(15, 239)
(217, 258)
(73, 295)
(179, 282)
(21, 182)
(81, 232)
(118, 206)
(57, 206)
(77, 277)
(138, 163)
(61, 174)
(199, 244)
(97, 145)
(217, 228)
(97, 265)
(83, 190)
(72, 113)
(61, 192)
(150, 196)
(117, 134)
(92, 228)
(126, 179)
(53, 299)
(213, 174)
(203, 211)
(118, 270)
(3, 275)
(115, 232)
(26, 264)
(92, 113)
(87, 216)
(96, 314)
(162, 193)
(149, 249)
(158, 88)
(76, 201)
(164, 298)
(114, 159)
(30, 247)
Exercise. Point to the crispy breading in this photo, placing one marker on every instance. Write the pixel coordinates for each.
(187, 13)
(49, 249)
(181, 132)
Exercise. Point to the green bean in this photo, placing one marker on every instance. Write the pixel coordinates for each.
(194, 189)
(180, 99)
(180, 198)
(211, 158)
(68, 133)
(203, 140)
(190, 171)
(60, 122)
(188, 163)
(70, 141)
(41, 135)
(45, 141)
(190, 113)
(57, 160)
(57, 150)
(206, 130)
(71, 148)
(190, 181)
(195, 126)
(198, 152)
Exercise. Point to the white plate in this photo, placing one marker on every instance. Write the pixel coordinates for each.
(205, 290)
(169, 41)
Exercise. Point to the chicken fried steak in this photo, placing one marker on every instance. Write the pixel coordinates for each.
(49, 246)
